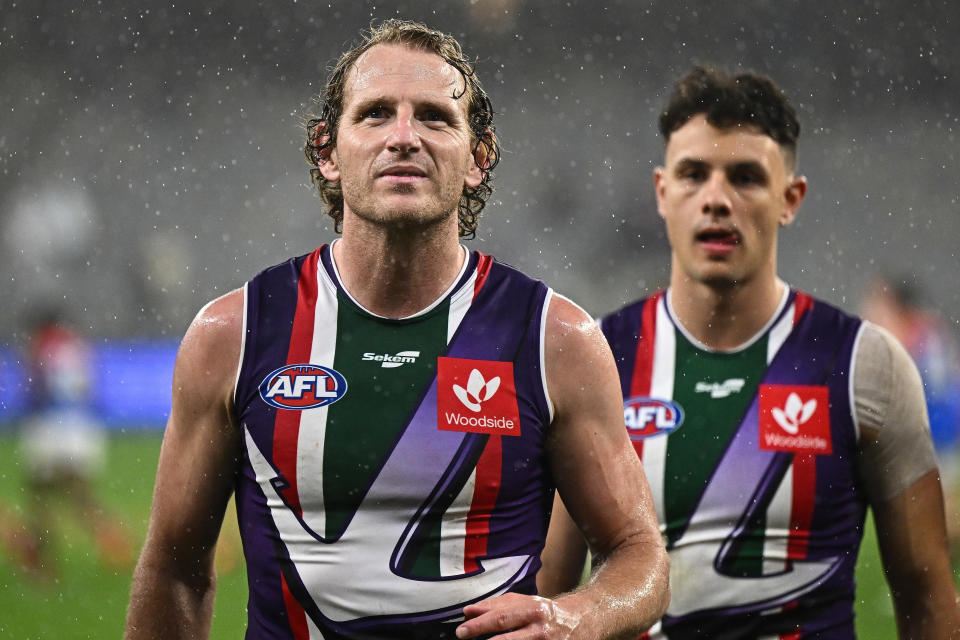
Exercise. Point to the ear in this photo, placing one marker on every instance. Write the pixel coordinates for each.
(659, 188)
(792, 197)
(484, 157)
(327, 158)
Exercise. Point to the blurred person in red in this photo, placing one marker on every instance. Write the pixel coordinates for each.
(63, 448)
(897, 305)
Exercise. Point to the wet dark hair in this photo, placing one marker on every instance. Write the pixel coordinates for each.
(729, 100)
(322, 129)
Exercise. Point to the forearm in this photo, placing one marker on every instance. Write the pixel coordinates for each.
(926, 612)
(625, 595)
(168, 606)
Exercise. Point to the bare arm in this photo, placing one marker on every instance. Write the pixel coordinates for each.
(564, 555)
(173, 585)
(601, 481)
(913, 544)
(898, 467)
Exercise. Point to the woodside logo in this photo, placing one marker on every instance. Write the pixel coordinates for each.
(795, 418)
(477, 396)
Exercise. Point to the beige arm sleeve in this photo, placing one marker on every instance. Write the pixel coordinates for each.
(895, 444)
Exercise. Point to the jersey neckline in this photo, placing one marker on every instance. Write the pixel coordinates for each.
(328, 266)
(782, 306)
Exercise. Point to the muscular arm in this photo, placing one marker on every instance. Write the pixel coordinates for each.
(898, 466)
(601, 481)
(173, 585)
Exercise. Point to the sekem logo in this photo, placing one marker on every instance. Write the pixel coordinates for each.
(485, 388)
(388, 361)
(720, 389)
(302, 386)
(646, 417)
(795, 418)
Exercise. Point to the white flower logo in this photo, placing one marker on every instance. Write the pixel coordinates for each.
(794, 414)
(478, 390)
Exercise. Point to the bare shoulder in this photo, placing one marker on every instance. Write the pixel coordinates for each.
(581, 375)
(210, 349)
(571, 332)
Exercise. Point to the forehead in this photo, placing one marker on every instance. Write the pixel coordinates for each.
(699, 140)
(396, 70)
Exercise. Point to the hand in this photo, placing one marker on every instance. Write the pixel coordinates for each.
(523, 616)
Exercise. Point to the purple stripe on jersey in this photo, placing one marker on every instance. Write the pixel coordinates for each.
(519, 522)
(271, 303)
(622, 330)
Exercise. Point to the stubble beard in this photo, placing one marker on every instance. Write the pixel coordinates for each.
(432, 212)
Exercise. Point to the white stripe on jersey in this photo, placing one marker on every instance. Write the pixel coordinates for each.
(775, 539)
(313, 423)
(661, 386)
(453, 523)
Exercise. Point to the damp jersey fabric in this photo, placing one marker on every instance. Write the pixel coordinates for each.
(750, 456)
(393, 471)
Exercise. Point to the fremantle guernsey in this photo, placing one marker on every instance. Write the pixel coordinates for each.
(750, 456)
(393, 470)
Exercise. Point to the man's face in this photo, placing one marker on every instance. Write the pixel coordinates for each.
(723, 193)
(403, 152)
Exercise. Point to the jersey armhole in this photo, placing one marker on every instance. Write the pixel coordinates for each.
(243, 345)
(543, 359)
(851, 392)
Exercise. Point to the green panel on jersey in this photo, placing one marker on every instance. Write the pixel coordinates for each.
(708, 386)
(363, 425)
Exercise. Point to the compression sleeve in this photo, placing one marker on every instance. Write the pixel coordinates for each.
(895, 444)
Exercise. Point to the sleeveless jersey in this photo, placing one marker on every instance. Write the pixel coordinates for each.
(393, 471)
(750, 456)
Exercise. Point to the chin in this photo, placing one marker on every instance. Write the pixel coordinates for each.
(718, 279)
(406, 217)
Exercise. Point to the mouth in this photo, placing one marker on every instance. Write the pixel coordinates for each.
(403, 173)
(718, 240)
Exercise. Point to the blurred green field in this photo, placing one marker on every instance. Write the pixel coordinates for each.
(90, 602)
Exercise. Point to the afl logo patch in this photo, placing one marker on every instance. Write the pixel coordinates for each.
(646, 417)
(303, 386)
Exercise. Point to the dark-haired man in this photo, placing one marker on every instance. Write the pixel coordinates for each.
(392, 410)
(767, 421)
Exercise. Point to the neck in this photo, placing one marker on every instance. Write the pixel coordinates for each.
(397, 272)
(723, 317)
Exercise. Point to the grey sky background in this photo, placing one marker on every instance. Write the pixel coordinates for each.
(150, 152)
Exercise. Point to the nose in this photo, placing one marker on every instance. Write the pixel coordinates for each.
(716, 195)
(403, 137)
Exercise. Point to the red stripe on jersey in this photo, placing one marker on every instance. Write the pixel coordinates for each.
(486, 488)
(804, 476)
(801, 304)
(483, 270)
(643, 360)
(801, 511)
(286, 427)
(295, 613)
(795, 635)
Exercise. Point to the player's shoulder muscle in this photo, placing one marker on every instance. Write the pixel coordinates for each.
(210, 351)
(578, 360)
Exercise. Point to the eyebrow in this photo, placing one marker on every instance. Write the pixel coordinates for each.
(421, 104)
(696, 163)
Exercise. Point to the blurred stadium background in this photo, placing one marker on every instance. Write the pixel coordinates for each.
(150, 160)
